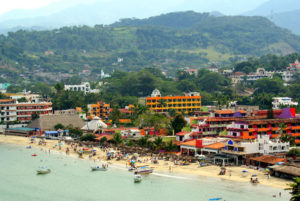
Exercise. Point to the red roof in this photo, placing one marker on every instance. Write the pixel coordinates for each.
(224, 111)
(191, 143)
(183, 133)
(191, 70)
(218, 145)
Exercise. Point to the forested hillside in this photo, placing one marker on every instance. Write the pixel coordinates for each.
(167, 42)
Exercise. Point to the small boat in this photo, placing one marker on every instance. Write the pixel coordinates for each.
(98, 168)
(131, 168)
(43, 170)
(144, 170)
(211, 199)
(34, 155)
(28, 147)
(137, 178)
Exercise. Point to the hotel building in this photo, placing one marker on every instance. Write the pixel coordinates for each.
(189, 103)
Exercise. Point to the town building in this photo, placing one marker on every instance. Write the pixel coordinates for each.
(8, 110)
(192, 71)
(189, 103)
(3, 87)
(84, 87)
(279, 102)
(100, 109)
(27, 109)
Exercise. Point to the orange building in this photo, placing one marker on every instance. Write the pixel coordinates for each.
(100, 109)
(189, 103)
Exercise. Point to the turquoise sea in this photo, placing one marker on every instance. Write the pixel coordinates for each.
(72, 180)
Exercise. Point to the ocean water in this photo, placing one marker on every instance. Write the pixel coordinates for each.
(72, 180)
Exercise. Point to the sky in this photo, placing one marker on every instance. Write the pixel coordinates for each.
(225, 6)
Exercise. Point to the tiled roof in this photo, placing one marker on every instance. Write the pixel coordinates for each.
(269, 159)
(242, 111)
(191, 143)
(224, 111)
(7, 100)
(183, 133)
(218, 145)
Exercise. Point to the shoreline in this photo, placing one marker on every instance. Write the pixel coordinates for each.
(233, 174)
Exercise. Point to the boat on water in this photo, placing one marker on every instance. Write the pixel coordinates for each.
(144, 170)
(137, 178)
(131, 168)
(211, 199)
(43, 170)
(98, 168)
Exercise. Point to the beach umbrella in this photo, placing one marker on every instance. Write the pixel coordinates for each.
(254, 175)
(108, 154)
(267, 170)
(244, 171)
(94, 150)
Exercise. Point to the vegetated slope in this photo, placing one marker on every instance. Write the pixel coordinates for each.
(167, 41)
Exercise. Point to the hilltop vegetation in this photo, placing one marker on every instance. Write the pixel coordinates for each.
(167, 42)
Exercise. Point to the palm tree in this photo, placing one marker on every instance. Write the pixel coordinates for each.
(158, 142)
(295, 189)
(118, 138)
(59, 88)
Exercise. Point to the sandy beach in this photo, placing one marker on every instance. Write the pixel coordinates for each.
(232, 174)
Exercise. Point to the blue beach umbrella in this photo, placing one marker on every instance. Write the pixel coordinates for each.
(254, 175)
(244, 171)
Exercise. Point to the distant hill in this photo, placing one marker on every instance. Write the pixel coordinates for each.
(168, 41)
(92, 12)
(284, 13)
(275, 6)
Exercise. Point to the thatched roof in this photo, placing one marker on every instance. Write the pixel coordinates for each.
(293, 170)
(47, 122)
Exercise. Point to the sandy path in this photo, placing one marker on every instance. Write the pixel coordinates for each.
(232, 174)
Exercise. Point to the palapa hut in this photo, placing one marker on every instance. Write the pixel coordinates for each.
(287, 170)
(47, 122)
(94, 125)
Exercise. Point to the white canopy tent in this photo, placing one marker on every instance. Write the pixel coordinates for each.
(94, 125)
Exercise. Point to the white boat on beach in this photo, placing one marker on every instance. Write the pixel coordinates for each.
(98, 168)
(43, 170)
(137, 178)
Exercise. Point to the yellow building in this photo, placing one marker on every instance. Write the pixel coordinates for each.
(189, 103)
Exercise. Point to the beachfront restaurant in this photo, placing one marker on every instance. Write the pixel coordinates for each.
(225, 159)
(56, 134)
(20, 131)
(191, 147)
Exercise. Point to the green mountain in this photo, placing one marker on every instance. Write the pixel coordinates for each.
(168, 42)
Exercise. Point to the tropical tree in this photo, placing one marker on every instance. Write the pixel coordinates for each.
(143, 141)
(88, 137)
(170, 146)
(295, 189)
(118, 138)
(58, 126)
(115, 115)
(158, 142)
(59, 88)
(178, 123)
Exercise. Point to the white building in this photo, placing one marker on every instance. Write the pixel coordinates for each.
(262, 145)
(282, 101)
(85, 87)
(8, 110)
(131, 133)
(156, 93)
